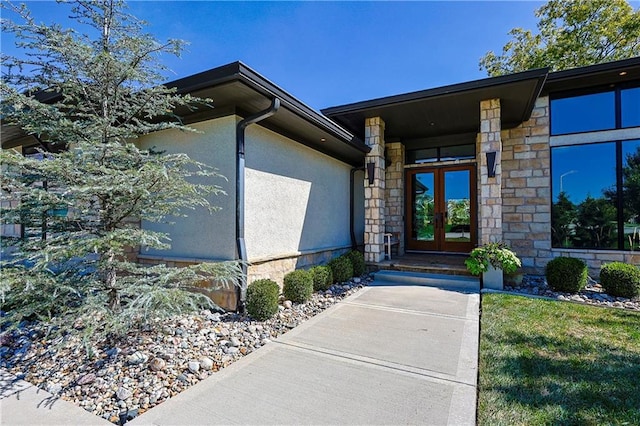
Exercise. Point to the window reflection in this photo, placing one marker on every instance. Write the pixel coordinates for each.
(631, 193)
(583, 113)
(630, 101)
(584, 212)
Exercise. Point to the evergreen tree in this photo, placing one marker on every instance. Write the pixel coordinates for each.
(563, 221)
(571, 33)
(87, 97)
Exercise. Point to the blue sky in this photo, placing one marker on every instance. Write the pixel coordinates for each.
(331, 53)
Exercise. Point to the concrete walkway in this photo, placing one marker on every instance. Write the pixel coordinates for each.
(389, 354)
(24, 404)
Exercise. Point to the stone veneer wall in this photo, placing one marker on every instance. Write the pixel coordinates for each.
(374, 220)
(526, 189)
(526, 198)
(274, 269)
(489, 189)
(226, 298)
(394, 193)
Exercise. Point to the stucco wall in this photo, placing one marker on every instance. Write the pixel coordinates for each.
(296, 200)
(358, 204)
(202, 235)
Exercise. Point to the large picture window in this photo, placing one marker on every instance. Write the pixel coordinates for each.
(586, 113)
(596, 195)
(596, 185)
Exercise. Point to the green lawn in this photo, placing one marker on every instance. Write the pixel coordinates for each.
(548, 362)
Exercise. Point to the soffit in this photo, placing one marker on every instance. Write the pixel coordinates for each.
(446, 110)
(238, 88)
(594, 76)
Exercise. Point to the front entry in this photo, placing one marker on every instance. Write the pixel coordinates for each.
(441, 209)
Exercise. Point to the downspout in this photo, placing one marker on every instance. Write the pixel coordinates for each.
(354, 243)
(240, 244)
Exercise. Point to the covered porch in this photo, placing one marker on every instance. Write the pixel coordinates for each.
(433, 177)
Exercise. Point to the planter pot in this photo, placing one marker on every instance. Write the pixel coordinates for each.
(493, 279)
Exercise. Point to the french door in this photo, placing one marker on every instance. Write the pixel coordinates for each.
(441, 209)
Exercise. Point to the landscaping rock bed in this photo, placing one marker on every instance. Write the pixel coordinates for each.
(592, 294)
(146, 368)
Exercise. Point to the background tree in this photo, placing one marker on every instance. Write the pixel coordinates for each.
(571, 33)
(631, 187)
(563, 221)
(596, 224)
(89, 195)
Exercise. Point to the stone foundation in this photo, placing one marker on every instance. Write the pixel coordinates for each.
(226, 298)
(274, 268)
(277, 267)
(596, 258)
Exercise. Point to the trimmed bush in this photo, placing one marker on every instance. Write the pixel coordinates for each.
(262, 299)
(342, 269)
(322, 277)
(298, 286)
(566, 274)
(357, 261)
(620, 279)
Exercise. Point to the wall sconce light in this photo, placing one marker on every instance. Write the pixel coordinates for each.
(491, 164)
(371, 172)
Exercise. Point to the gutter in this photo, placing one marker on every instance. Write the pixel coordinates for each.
(240, 160)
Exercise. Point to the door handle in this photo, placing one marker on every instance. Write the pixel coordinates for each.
(438, 218)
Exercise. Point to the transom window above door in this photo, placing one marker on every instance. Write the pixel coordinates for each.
(442, 153)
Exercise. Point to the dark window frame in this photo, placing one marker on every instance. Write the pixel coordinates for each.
(438, 157)
(616, 89)
(619, 160)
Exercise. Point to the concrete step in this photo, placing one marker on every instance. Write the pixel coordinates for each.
(429, 269)
(457, 282)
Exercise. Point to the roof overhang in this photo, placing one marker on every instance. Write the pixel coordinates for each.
(236, 88)
(593, 76)
(447, 110)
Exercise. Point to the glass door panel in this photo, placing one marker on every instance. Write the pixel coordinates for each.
(423, 207)
(457, 203)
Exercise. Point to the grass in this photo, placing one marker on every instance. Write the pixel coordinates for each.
(556, 363)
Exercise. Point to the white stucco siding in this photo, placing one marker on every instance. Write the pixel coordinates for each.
(296, 199)
(358, 207)
(202, 235)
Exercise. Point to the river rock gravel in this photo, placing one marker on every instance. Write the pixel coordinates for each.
(592, 294)
(144, 369)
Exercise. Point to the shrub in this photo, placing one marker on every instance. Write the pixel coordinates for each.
(322, 277)
(262, 299)
(342, 269)
(620, 279)
(357, 261)
(566, 274)
(298, 286)
(497, 254)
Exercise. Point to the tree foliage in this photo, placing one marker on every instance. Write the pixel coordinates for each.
(571, 33)
(87, 97)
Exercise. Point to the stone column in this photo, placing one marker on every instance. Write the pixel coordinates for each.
(490, 188)
(394, 194)
(374, 193)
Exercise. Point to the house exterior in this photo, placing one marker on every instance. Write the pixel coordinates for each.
(547, 162)
(289, 181)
